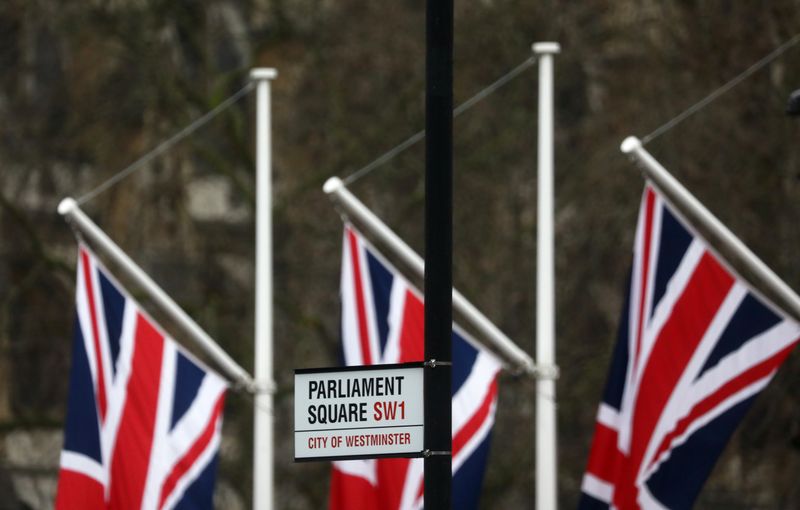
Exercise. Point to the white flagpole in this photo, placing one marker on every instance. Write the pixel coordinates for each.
(747, 263)
(490, 334)
(69, 209)
(546, 467)
(263, 426)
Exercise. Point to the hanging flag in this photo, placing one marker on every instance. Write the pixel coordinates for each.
(143, 418)
(382, 322)
(695, 346)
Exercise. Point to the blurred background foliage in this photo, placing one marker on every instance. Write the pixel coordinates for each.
(87, 87)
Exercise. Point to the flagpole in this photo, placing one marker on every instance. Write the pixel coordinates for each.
(263, 426)
(489, 334)
(72, 212)
(546, 467)
(749, 266)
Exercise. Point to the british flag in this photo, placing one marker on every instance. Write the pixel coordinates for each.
(696, 345)
(382, 322)
(143, 418)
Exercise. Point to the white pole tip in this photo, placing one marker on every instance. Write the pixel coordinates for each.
(263, 73)
(332, 185)
(66, 206)
(543, 48)
(630, 144)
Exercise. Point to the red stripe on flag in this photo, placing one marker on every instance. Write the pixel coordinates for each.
(98, 353)
(188, 460)
(392, 479)
(764, 369)
(349, 492)
(411, 342)
(469, 429)
(605, 457)
(135, 436)
(676, 342)
(363, 330)
(76, 490)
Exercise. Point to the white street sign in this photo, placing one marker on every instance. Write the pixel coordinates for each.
(358, 412)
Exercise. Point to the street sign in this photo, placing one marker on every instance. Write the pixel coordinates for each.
(358, 412)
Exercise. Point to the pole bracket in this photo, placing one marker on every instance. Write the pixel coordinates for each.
(264, 387)
(436, 453)
(432, 363)
(545, 372)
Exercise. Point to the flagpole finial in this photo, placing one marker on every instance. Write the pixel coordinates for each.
(66, 206)
(546, 48)
(630, 144)
(332, 185)
(263, 73)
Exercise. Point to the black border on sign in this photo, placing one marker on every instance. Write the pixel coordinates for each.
(409, 455)
(361, 368)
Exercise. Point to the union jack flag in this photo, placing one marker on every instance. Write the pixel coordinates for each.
(696, 344)
(143, 418)
(382, 322)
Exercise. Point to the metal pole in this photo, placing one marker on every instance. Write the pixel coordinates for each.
(546, 468)
(438, 252)
(70, 210)
(488, 334)
(738, 254)
(263, 426)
